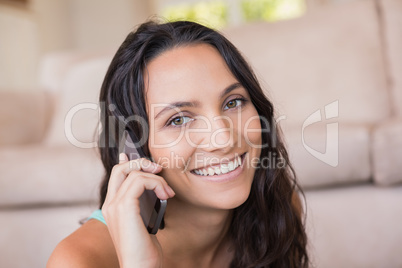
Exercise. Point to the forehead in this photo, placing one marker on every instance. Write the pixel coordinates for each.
(186, 73)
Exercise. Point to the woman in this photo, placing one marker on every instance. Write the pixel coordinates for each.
(217, 158)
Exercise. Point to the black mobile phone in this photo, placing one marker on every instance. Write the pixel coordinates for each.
(152, 208)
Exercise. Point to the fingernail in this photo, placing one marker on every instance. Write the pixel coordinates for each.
(122, 157)
(157, 166)
(171, 192)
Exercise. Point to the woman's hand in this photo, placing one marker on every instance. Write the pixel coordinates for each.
(135, 247)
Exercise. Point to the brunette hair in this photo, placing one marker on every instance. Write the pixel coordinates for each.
(267, 230)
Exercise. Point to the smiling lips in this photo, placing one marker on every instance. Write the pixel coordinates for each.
(221, 169)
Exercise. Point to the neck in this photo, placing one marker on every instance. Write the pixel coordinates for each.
(194, 234)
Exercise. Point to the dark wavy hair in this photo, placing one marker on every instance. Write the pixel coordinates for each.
(267, 230)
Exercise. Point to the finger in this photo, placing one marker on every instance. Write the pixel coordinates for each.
(144, 165)
(122, 158)
(133, 187)
(121, 171)
(170, 191)
(134, 177)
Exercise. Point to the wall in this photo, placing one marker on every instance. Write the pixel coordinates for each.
(109, 21)
(27, 32)
(19, 49)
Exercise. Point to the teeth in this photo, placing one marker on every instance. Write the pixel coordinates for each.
(217, 171)
(222, 169)
(231, 166)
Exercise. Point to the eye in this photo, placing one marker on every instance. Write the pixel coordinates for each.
(180, 120)
(233, 104)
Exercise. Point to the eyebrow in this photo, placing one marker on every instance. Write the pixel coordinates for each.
(181, 104)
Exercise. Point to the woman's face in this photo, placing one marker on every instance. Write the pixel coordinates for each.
(202, 125)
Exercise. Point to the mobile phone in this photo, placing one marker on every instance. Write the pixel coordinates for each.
(152, 208)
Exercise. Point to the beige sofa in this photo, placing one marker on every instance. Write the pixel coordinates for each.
(335, 76)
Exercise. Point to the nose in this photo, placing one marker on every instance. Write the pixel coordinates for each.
(222, 136)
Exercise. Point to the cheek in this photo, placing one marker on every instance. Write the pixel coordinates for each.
(173, 157)
(169, 139)
(167, 148)
(252, 129)
(173, 161)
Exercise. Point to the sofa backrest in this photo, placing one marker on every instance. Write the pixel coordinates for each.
(330, 60)
(77, 113)
(326, 70)
(331, 54)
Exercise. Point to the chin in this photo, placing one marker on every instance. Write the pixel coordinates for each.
(226, 191)
(229, 199)
(232, 204)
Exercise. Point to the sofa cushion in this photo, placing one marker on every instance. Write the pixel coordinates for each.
(392, 23)
(387, 152)
(24, 116)
(54, 66)
(42, 174)
(76, 117)
(355, 226)
(325, 154)
(330, 54)
(35, 232)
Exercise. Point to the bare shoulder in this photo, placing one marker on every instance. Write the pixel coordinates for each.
(89, 246)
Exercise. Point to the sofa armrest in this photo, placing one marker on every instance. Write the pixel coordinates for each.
(24, 116)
